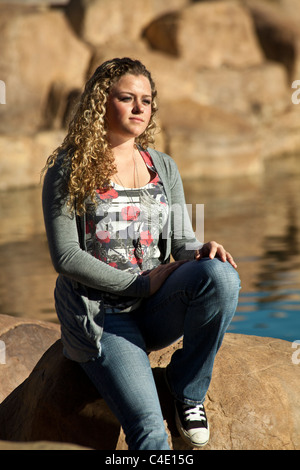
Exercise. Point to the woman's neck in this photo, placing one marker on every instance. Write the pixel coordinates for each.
(123, 149)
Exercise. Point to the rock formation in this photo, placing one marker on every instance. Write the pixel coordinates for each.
(215, 57)
(252, 403)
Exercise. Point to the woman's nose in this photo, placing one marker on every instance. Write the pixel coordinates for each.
(138, 108)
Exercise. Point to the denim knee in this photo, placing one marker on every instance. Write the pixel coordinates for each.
(224, 276)
(216, 286)
(225, 284)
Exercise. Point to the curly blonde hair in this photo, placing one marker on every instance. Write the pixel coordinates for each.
(85, 149)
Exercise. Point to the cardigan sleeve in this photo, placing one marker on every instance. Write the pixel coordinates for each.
(67, 256)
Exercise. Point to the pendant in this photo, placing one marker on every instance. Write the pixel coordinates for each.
(138, 251)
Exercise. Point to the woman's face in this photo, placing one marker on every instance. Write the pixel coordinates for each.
(128, 109)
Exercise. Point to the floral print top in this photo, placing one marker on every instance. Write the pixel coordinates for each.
(123, 230)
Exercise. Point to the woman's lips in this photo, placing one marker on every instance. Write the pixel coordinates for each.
(136, 119)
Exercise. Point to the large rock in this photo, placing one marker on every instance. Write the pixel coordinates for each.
(38, 50)
(249, 92)
(208, 142)
(253, 401)
(39, 445)
(98, 21)
(24, 156)
(208, 34)
(58, 403)
(23, 342)
(277, 28)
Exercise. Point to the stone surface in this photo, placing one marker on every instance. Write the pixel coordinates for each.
(38, 49)
(277, 29)
(39, 445)
(223, 28)
(253, 401)
(25, 341)
(258, 94)
(126, 19)
(23, 157)
(206, 141)
(58, 403)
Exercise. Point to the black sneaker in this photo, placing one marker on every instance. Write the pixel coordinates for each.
(192, 424)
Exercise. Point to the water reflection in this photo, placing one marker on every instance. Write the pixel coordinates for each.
(257, 219)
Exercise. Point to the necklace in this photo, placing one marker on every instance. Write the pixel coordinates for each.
(135, 171)
(138, 251)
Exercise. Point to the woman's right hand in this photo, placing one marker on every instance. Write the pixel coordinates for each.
(161, 273)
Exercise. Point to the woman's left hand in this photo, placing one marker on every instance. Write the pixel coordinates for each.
(213, 249)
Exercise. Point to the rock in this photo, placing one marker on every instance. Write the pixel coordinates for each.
(38, 49)
(252, 403)
(207, 35)
(25, 341)
(99, 21)
(278, 32)
(25, 156)
(207, 142)
(39, 445)
(254, 398)
(258, 93)
(281, 137)
(58, 403)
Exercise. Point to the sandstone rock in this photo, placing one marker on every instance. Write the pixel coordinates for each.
(24, 156)
(254, 396)
(61, 406)
(258, 93)
(38, 48)
(208, 34)
(253, 400)
(207, 142)
(97, 21)
(281, 136)
(25, 341)
(278, 32)
(39, 445)
(169, 73)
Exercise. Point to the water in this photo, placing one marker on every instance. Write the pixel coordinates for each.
(257, 219)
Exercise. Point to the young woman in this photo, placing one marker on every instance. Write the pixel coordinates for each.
(114, 212)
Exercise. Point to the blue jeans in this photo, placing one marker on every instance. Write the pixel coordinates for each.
(198, 301)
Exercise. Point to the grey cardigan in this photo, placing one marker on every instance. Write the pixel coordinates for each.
(82, 277)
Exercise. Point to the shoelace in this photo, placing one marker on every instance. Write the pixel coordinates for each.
(195, 413)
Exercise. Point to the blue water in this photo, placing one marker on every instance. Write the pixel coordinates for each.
(262, 314)
(258, 221)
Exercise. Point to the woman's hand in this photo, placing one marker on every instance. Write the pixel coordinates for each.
(159, 275)
(213, 249)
